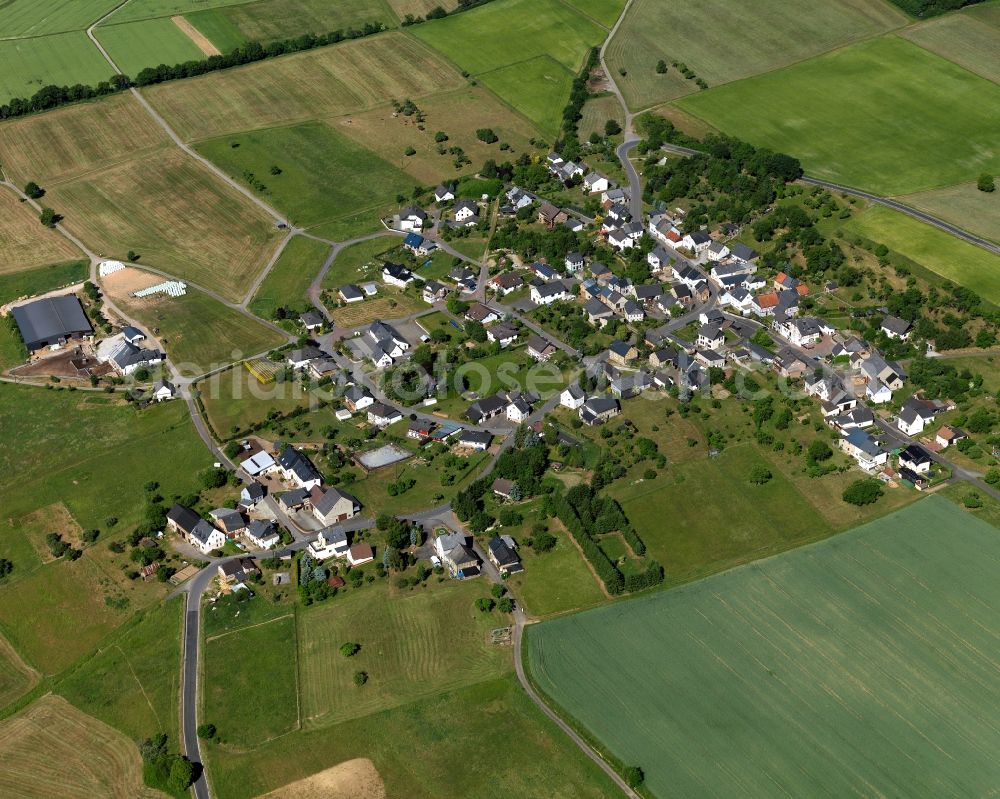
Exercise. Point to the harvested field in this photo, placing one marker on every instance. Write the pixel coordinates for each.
(419, 7)
(459, 114)
(54, 518)
(970, 40)
(51, 750)
(352, 779)
(24, 242)
(267, 20)
(69, 142)
(287, 284)
(964, 206)
(16, 676)
(200, 40)
(176, 215)
(121, 284)
(862, 665)
(339, 79)
(598, 111)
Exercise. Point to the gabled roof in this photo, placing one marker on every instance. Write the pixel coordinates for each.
(896, 325)
(397, 271)
(621, 348)
(476, 437)
(183, 517)
(351, 292)
(502, 553)
(743, 252)
(51, 318)
(330, 498)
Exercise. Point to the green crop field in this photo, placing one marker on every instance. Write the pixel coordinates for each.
(606, 12)
(53, 612)
(962, 205)
(538, 88)
(148, 43)
(288, 281)
(266, 20)
(934, 249)
(413, 644)
(324, 175)
(133, 682)
(861, 665)
(722, 40)
(28, 282)
(258, 702)
(24, 243)
(198, 332)
(38, 17)
(26, 65)
(507, 31)
(970, 40)
(218, 28)
(147, 9)
(327, 81)
(884, 115)
(176, 215)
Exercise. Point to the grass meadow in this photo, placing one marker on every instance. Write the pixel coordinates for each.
(24, 243)
(53, 612)
(32, 18)
(328, 81)
(598, 111)
(722, 41)
(602, 11)
(16, 676)
(359, 262)
(37, 280)
(26, 65)
(51, 749)
(147, 43)
(884, 115)
(147, 9)
(964, 206)
(176, 215)
(198, 332)
(537, 87)
(480, 40)
(940, 252)
(133, 682)
(287, 284)
(780, 661)
(969, 38)
(324, 175)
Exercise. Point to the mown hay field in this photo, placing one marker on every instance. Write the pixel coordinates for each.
(68, 142)
(940, 252)
(507, 31)
(862, 664)
(538, 88)
(969, 39)
(606, 12)
(287, 284)
(26, 65)
(723, 41)
(51, 750)
(16, 676)
(176, 215)
(413, 644)
(883, 115)
(964, 206)
(339, 79)
(24, 242)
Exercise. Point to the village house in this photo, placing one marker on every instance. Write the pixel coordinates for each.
(464, 277)
(896, 328)
(163, 390)
(621, 352)
(598, 410)
(396, 275)
(595, 182)
(52, 322)
(550, 216)
(382, 415)
(572, 397)
(128, 358)
(236, 570)
(548, 293)
(357, 398)
(485, 409)
(915, 414)
(716, 251)
(539, 349)
(506, 282)
(664, 357)
(335, 506)
(504, 488)
(419, 429)
(698, 241)
(300, 358)
(262, 534)
(322, 368)
(229, 521)
(788, 363)
(503, 556)
(311, 321)
(867, 452)
(518, 410)
(503, 333)
(443, 194)
(259, 463)
(598, 314)
(412, 218)
(480, 313)
(478, 440)
(456, 556)
(297, 469)
(573, 262)
(466, 212)
(949, 435)
(250, 495)
(916, 459)
(350, 293)
(710, 336)
(433, 291)
(360, 554)
(330, 543)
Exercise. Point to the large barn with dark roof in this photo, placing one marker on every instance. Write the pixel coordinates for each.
(51, 322)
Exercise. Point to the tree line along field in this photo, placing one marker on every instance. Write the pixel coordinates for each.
(64, 59)
(831, 112)
(148, 43)
(723, 41)
(53, 611)
(858, 665)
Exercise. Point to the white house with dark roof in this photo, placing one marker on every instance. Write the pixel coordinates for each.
(396, 275)
(412, 218)
(572, 397)
(297, 469)
(548, 293)
(330, 543)
(896, 328)
(262, 534)
(335, 506)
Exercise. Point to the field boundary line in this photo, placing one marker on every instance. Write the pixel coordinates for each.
(139, 683)
(250, 627)
(585, 15)
(298, 670)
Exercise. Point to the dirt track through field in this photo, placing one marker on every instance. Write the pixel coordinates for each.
(196, 36)
(352, 779)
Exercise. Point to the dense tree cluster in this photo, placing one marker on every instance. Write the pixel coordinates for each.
(164, 770)
(931, 8)
(568, 144)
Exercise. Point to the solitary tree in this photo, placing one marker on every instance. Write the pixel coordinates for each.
(612, 128)
(863, 492)
(661, 67)
(985, 183)
(759, 475)
(360, 678)
(350, 649)
(33, 190)
(47, 217)
(485, 604)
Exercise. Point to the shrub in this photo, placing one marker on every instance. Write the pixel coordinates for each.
(485, 604)
(350, 649)
(863, 492)
(759, 475)
(360, 678)
(972, 500)
(206, 731)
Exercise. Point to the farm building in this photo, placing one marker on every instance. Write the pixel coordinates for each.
(51, 322)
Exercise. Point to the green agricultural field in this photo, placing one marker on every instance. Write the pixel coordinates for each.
(723, 41)
(253, 704)
(538, 88)
(267, 20)
(427, 749)
(934, 249)
(288, 281)
(133, 682)
(832, 112)
(37, 17)
(359, 262)
(218, 28)
(147, 9)
(26, 65)
(198, 332)
(414, 644)
(148, 43)
(328, 81)
(323, 176)
(964, 206)
(480, 40)
(29, 282)
(602, 11)
(970, 40)
(763, 678)
(53, 612)
(177, 215)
